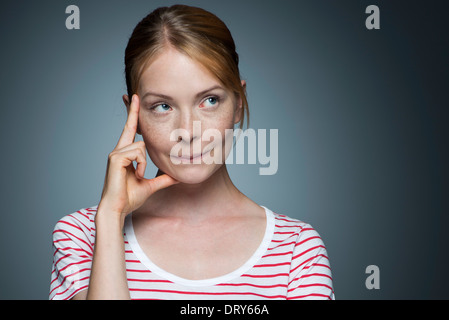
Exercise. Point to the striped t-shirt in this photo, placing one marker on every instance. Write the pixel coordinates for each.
(290, 263)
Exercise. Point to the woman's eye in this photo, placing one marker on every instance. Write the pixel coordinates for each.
(161, 108)
(210, 102)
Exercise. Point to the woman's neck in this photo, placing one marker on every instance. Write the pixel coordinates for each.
(196, 202)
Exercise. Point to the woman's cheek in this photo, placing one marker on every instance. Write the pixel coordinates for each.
(156, 137)
(222, 118)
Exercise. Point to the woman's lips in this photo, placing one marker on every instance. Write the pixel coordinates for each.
(193, 157)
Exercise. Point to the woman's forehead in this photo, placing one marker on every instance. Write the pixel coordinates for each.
(173, 72)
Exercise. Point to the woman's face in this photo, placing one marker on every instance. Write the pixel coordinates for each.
(179, 102)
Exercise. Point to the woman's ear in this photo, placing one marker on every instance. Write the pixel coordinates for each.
(239, 110)
(126, 102)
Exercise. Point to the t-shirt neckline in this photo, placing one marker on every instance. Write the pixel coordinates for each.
(145, 260)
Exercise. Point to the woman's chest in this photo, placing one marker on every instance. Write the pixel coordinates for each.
(202, 251)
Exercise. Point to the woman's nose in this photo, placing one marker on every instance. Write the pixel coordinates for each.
(191, 127)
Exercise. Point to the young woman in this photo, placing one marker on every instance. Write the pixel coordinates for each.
(188, 233)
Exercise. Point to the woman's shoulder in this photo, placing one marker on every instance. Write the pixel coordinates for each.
(287, 228)
(285, 221)
(80, 221)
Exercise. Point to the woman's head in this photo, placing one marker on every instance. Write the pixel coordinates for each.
(199, 34)
(181, 62)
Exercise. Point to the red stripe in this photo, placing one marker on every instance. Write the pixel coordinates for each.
(71, 284)
(73, 294)
(294, 234)
(62, 258)
(278, 254)
(265, 275)
(253, 285)
(134, 270)
(310, 275)
(316, 275)
(61, 240)
(310, 295)
(306, 251)
(311, 258)
(72, 225)
(79, 289)
(74, 217)
(293, 226)
(74, 249)
(317, 265)
(308, 239)
(284, 232)
(66, 232)
(56, 278)
(310, 285)
(69, 265)
(291, 221)
(150, 280)
(208, 293)
(281, 245)
(272, 264)
(85, 215)
(72, 264)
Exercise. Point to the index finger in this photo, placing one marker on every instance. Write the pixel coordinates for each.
(130, 129)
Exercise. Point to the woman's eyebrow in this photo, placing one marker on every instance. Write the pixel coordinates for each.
(202, 93)
(166, 97)
(160, 95)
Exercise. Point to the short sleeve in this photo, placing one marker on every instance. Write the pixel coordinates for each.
(310, 272)
(73, 238)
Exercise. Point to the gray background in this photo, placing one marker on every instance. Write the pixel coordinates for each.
(362, 118)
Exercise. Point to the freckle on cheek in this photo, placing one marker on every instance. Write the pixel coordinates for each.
(156, 136)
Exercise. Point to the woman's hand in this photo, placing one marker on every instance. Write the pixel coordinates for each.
(125, 188)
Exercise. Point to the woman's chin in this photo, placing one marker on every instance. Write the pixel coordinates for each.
(192, 173)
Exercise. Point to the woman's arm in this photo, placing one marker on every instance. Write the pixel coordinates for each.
(310, 273)
(108, 274)
(125, 189)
